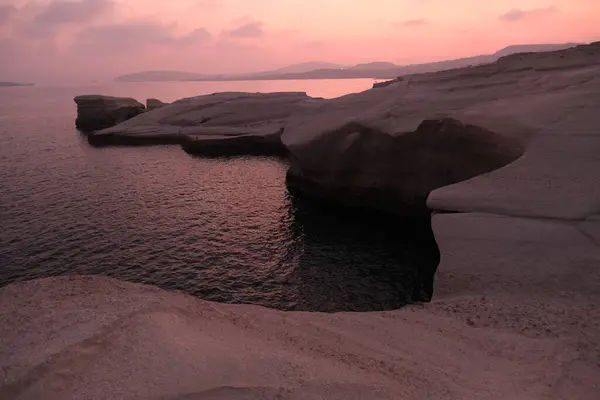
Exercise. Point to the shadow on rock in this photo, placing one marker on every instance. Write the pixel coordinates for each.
(363, 166)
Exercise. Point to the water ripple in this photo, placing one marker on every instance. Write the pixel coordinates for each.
(221, 229)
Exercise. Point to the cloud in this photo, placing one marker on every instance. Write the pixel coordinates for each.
(135, 35)
(7, 13)
(247, 30)
(517, 14)
(313, 44)
(199, 35)
(46, 20)
(209, 4)
(414, 22)
(67, 12)
(246, 19)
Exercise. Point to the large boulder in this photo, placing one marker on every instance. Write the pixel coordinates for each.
(95, 112)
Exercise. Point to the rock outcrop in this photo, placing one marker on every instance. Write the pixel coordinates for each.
(372, 147)
(96, 112)
(221, 123)
(361, 166)
(520, 246)
(152, 104)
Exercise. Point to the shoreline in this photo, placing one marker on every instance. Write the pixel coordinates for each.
(470, 346)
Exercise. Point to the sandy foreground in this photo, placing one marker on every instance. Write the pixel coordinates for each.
(516, 305)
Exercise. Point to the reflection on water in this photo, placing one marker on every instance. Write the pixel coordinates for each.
(352, 259)
(222, 229)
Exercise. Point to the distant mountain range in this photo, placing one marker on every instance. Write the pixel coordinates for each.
(305, 67)
(9, 84)
(157, 76)
(321, 70)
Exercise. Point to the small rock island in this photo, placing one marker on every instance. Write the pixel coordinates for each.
(14, 84)
(505, 158)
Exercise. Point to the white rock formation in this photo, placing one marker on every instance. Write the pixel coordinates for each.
(542, 94)
(97, 338)
(522, 255)
(255, 117)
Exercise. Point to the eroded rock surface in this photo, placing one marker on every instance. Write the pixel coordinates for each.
(373, 148)
(98, 338)
(520, 250)
(517, 98)
(362, 166)
(96, 112)
(198, 123)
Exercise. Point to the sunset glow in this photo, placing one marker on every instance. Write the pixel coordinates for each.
(56, 41)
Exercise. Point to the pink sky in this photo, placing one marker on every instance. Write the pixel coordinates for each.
(80, 40)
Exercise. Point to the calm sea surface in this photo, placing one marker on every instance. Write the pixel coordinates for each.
(222, 229)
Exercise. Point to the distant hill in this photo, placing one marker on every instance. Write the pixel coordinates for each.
(159, 76)
(532, 48)
(321, 70)
(374, 66)
(306, 67)
(166, 76)
(377, 70)
(10, 84)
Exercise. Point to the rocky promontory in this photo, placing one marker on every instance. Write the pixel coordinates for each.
(217, 124)
(96, 112)
(374, 147)
(387, 147)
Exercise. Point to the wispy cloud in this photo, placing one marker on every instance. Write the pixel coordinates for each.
(7, 13)
(65, 12)
(414, 22)
(517, 14)
(247, 30)
(45, 20)
(313, 44)
(136, 35)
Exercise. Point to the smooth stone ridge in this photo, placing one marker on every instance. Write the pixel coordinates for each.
(219, 124)
(520, 250)
(358, 148)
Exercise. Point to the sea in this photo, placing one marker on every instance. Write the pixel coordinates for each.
(221, 229)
